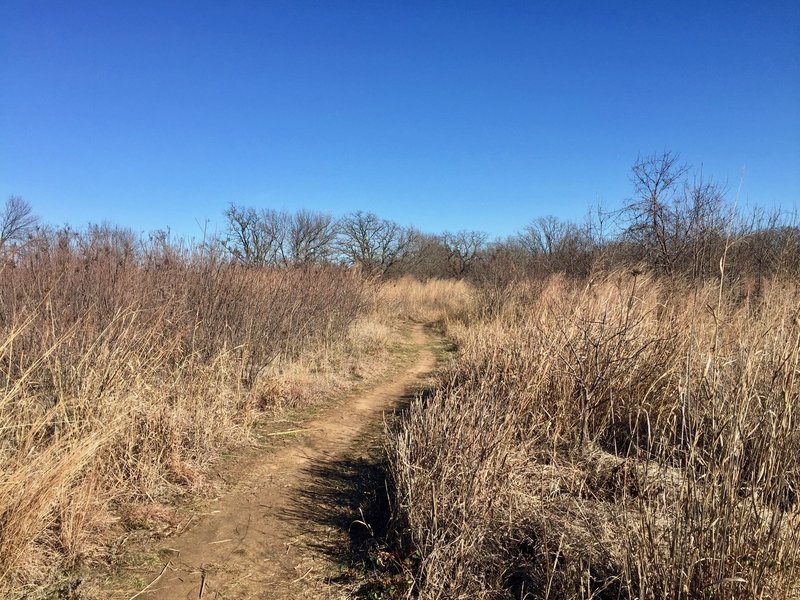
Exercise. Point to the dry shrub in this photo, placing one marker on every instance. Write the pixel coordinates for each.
(628, 437)
(125, 368)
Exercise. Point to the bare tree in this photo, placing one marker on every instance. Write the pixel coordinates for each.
(771, 244)
(547, 235)
(311, 237)
(705, 218)
(653, 224)
(257, 237)
(17, 221)
(464, 248)
(241, 239)
(677, 224)
(428, 257)
(556, 245)
(378, 245)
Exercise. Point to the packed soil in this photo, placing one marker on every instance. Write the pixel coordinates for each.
(270, 536)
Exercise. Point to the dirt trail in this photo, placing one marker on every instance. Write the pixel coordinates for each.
(260, 540)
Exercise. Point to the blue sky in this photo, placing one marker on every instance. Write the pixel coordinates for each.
(444, 115)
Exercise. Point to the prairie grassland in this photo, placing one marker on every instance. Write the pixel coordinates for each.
(126, 373)
(432, 301)
(626, 437)
(127, 368)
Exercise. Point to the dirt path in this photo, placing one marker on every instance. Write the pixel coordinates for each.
(263, 540)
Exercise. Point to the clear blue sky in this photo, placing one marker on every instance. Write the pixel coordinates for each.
(445, 115)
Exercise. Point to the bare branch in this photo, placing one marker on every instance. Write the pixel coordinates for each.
(311, 237)
(376, 244)
(463, 248)
(17, 221)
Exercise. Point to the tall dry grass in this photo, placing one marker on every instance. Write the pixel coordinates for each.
(626, 438)
(125, 369)
(439, 301)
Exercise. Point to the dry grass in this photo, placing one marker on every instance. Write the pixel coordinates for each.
(124, 371)
(432, 301)
(626, 438)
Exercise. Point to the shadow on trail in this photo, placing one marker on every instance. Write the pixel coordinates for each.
(352, 496)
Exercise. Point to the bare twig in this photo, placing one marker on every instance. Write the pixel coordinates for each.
(303, 576)
(149, 585)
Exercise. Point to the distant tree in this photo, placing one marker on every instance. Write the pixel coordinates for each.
(311, 237)
(597, 225)
(377, 245)
(255, 238)
(674, 224)
(278, 238)
(17, 221)
(428, 258)
(556, 245)
(463, 250)
(652, 220)
(771, 244)
(548, 235)
(706, 219)
(504, 262)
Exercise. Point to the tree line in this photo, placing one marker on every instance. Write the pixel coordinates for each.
(268, 237)
(677, 222)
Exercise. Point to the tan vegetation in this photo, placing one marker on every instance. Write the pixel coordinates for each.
(620, 419)
(625, 437)
(126, 369)
(432, 301)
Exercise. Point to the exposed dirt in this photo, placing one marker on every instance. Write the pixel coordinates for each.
(270, 536)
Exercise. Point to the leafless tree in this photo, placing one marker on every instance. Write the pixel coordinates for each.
(428, 257)
(504, 262)
(278, 238)
(556, 245)
(706, 218)
(17, 221)
(678, 223)
(311, 237)
(598, 224)
(378, 245)
(547, 235)
(771, 244)
(652, 219)
(257, 237)
(464, 248)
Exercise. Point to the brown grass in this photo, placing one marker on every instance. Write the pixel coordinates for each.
(628, 437)
(432, 301)
(125, 370)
